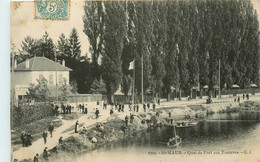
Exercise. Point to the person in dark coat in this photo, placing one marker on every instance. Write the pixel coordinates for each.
(86, 110)
(131, 118)
(119, 109)
(144, 106)
(247, 96)
(148, 105)
(28, 141)
(134, 107)
(111, 111)
(36, 158)
(170, 114)
(56, 110)
(46, 153)
(238, 99)
(69, 109)
(60, 140)
(51, 128)
(83, 108)
(159, 101)
(76, 127)
(45, 135)
(79, 107)
(123, 107)
(97, 113)
(153, 106)
(126, 120)
(137, 108)
(63, 108)
(23, 138)
(243, 96)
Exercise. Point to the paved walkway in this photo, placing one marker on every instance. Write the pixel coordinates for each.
(88, 120)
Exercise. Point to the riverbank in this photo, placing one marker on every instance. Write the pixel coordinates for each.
(109, 129)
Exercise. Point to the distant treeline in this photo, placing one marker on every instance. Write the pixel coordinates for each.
(181, 43)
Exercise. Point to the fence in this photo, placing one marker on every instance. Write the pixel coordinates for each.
(85, 98)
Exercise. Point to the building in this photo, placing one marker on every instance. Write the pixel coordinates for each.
(35, 68)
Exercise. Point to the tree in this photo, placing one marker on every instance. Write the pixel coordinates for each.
(114, 33)
(46, 47)
(74, 43)
(63, 45)
(93, 27)
(126, 84)
(172, 76)
(64, 91)
(39, 92)
(30, 46)
(159, 37)
(95, 86)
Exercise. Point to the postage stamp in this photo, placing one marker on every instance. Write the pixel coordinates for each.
(52, 9)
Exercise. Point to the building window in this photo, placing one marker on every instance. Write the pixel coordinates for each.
(40, 77)
(51, 79)
(60, 79)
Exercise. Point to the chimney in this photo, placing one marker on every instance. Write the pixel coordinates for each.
(15, 63)
(27, 64)
(63, 62)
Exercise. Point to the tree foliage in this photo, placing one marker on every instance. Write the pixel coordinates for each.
(39, 92)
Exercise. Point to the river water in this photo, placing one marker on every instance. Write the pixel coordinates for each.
(227, 131)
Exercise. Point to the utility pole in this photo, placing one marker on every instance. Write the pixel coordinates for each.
(219, 93)
(142, 78)
(134, 83)
(12, 84)
(56, 77)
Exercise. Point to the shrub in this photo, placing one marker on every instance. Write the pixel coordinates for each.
(26, 114)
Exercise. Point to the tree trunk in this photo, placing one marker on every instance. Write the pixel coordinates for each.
(200, 93)
(111, 98)
(179, 94)
(169, 96)
(156, 96)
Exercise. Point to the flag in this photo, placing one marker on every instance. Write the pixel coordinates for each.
(131, 66)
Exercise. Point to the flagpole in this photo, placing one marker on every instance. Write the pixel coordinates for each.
(133, 83)
(142, 78)
(219, 96)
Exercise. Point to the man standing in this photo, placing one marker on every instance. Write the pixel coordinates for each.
(126, 120)
(153, 106)
(44, 135)
(83, 108)
(137, 108)
(144, 106)
(86, 110)
(51, 128)
(97, 113)
(23, 138)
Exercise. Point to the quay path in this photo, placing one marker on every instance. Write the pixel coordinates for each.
(88, 121)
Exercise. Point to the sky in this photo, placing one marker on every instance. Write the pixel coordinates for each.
(24, 24)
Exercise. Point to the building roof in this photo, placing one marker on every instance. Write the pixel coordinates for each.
(41, 64)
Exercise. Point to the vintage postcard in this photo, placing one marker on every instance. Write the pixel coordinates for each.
(161, 80)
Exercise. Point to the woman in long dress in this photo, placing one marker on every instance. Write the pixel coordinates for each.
(76, 127)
